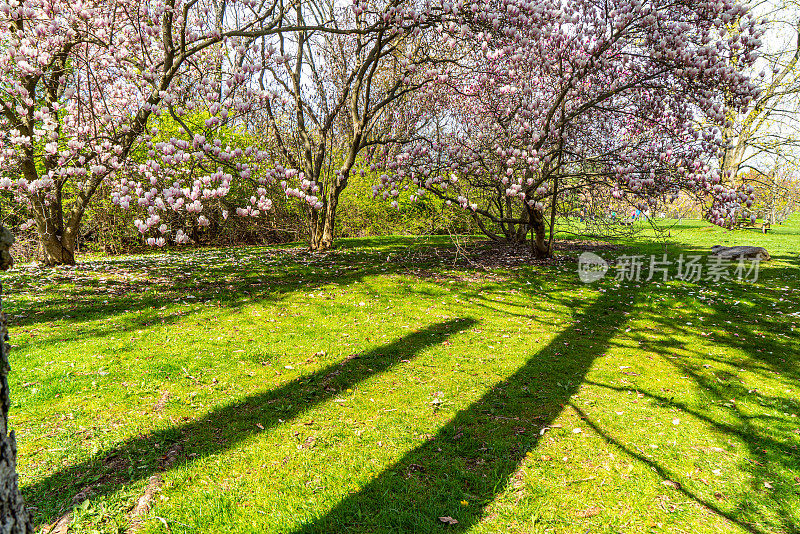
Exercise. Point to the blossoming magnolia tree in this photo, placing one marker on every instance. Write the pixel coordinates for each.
(578, 95)
(81, 83)
(341, 95)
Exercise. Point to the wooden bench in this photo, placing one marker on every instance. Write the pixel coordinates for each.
(741, 225)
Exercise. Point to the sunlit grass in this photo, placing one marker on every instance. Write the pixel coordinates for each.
(383, 386)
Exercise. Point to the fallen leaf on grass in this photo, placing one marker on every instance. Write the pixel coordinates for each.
(671, 484)
(589, 512)
(162, 401)
(171, 456)
(448, 520)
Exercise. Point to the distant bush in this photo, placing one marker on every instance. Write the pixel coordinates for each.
(361, 215)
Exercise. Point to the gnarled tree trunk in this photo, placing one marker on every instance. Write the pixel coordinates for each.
(55, 250)
(539, 246)
(14, 516)
(58, 235)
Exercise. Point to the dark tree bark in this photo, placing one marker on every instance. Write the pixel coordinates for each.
(553, 214)
(57, 228)
(539, 247)
(14, 516)
(55, 250)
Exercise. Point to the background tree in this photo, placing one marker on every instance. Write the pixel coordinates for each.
(339, 95)
(775, 195)
(765, 135)
(81, 82)
(768, 127)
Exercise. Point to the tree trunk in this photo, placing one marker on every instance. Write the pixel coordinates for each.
(56, 240)
(326, 239)
(56, 251)
(315, 229)
(772, 204)
(522, 228)
(511, 233)
(553, 213)
(323, 221)
(14, 516)
(539, 246)
(482, 227)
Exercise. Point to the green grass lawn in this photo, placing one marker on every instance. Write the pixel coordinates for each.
(390, 383)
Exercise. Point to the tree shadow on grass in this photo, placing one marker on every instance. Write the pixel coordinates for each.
(763, 422)
(770, 453)
(218, 277)
(146, 284)
(142, 456)
(736, 516)
(138, 292)
(773, 456)
(475, 455)
(93, 330)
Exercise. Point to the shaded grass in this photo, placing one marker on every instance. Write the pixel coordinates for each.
(353, 392)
